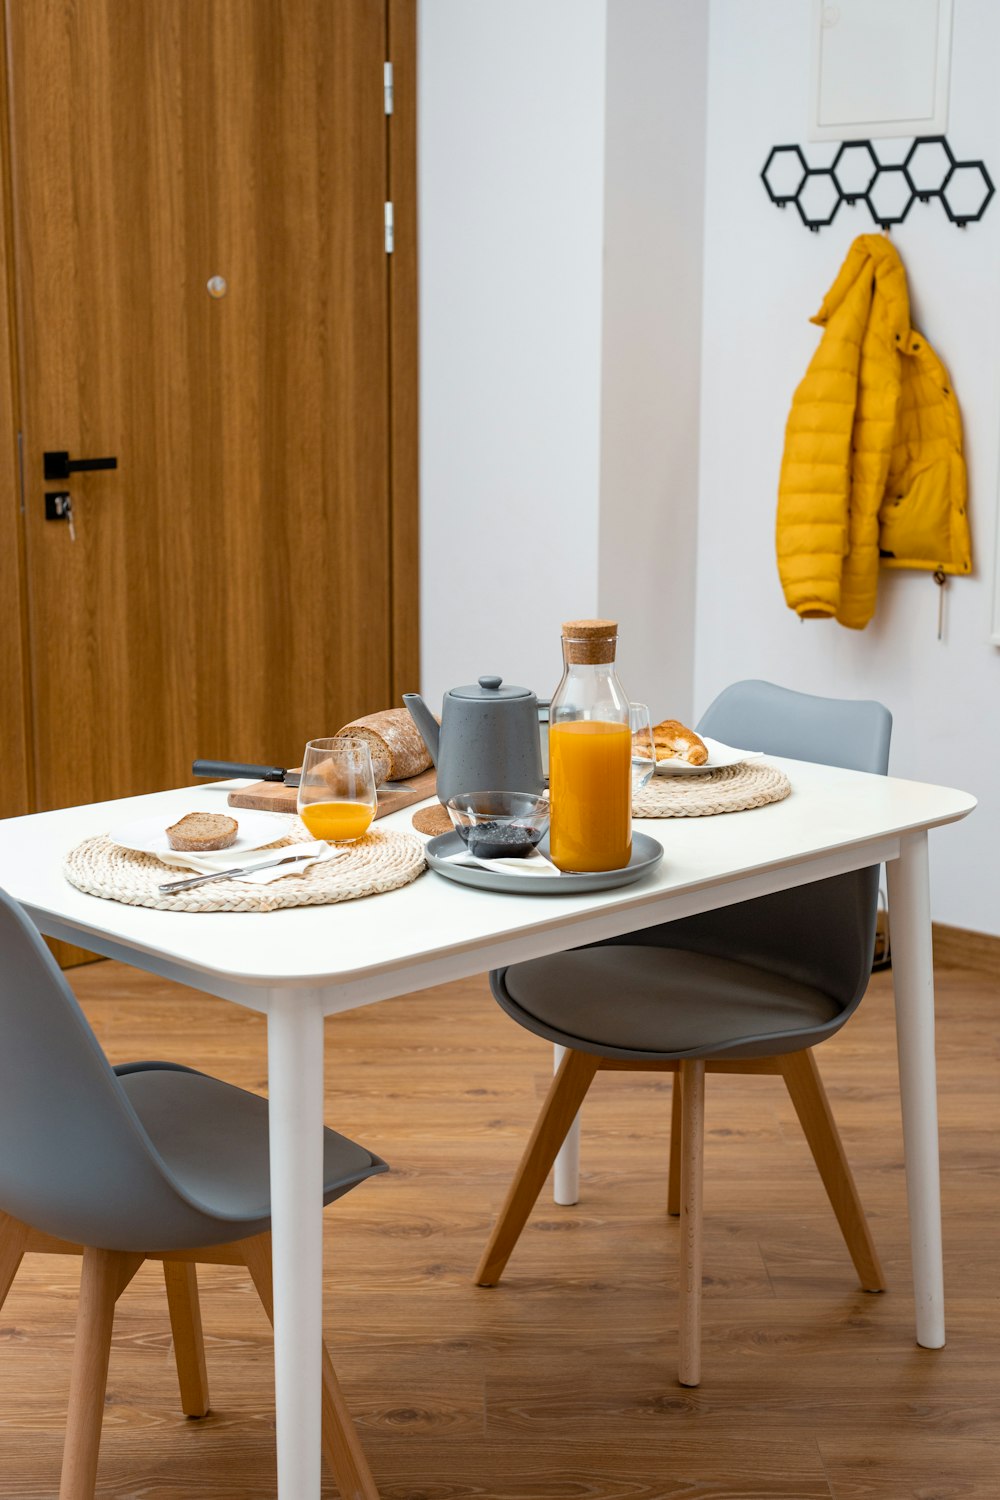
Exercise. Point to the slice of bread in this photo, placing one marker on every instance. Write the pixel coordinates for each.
(198, 833)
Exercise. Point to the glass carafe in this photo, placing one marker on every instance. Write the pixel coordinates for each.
(590, 754)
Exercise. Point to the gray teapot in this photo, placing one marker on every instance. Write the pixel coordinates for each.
(487, 740)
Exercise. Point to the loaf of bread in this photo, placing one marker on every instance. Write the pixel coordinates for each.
(397, 747)
(198, 833)
(675, 742)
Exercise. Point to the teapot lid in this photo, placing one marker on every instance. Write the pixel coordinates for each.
(490, 689)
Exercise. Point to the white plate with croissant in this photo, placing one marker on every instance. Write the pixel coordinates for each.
(681, 752)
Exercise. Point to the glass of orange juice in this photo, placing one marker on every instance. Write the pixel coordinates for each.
(337, 798)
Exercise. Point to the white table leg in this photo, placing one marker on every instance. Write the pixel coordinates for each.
(566, 1179)
(913, 983)
(295, 1089)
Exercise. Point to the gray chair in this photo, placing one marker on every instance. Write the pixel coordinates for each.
(750, 988)
(147, 1161)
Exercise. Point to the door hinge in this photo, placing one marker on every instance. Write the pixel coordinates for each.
(389, 229)
(387, 86)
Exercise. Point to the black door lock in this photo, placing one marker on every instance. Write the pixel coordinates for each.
(59, 465)
(58, 507)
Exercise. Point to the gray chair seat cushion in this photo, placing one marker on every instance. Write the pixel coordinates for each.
(212, 1137)
(642, 1002)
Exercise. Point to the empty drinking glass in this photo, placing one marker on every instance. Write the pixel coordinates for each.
(643, 749)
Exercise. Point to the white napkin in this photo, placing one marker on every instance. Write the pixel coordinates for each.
(217, 860)
(531, 865)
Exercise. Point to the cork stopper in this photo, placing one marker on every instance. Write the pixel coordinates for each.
(589, 642)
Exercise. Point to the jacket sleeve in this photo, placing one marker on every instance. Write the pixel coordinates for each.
(875, 424)
(923, 521)
(814, 485)
(815, 488)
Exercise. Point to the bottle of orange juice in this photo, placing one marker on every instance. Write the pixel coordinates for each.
(590, 754)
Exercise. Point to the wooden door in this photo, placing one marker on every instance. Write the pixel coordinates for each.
(15, 782)
(203, 293)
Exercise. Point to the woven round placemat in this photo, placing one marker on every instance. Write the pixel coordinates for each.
(752, 783)
(381, 861)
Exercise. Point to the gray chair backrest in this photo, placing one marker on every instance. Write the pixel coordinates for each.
(847, 732)
(822, 934)
(74, 1158)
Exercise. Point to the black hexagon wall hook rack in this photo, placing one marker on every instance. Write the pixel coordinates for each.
(890, 196)
(818, 198)
(854, 167)
(888, 189)
(967, 190)
(928, 162)
(784, 173)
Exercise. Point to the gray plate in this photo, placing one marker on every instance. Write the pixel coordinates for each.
(646, 855)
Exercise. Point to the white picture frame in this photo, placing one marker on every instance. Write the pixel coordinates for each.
(879, 68)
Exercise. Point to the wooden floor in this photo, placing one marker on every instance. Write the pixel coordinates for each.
(560, 1384)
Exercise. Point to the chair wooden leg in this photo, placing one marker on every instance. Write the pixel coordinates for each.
(181, 1279)
(692, 1075)
(341, 1444)
(105, 1275)
(676, 1128)
(562, 1103)
(13, 1238)
(808, 1095)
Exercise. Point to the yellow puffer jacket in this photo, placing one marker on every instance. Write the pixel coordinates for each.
(873, 467)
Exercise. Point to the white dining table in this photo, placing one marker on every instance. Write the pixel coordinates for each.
(300, 965)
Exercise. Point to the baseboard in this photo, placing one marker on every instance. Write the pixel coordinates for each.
(958, 948)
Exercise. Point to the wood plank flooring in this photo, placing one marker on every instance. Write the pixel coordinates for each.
(560, 1383)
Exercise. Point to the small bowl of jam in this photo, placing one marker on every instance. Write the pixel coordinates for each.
(500, 825)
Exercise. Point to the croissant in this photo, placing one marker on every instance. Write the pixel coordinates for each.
(675, 742)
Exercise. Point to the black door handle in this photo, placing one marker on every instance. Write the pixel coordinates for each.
(61, 466)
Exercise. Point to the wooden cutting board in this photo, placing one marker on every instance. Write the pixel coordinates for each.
(274, 796)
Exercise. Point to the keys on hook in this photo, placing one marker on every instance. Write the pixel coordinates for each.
(941, 579)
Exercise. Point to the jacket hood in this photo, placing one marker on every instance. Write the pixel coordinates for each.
(872, 255)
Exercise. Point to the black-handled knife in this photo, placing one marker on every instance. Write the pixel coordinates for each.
(225, 770)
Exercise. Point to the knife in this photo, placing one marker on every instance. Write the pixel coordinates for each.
(185, 885)
(223, 770)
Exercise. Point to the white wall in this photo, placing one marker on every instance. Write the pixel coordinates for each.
(651, 366)
(560, 286)
(561, 325)
(511, 167)
(765, 274)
